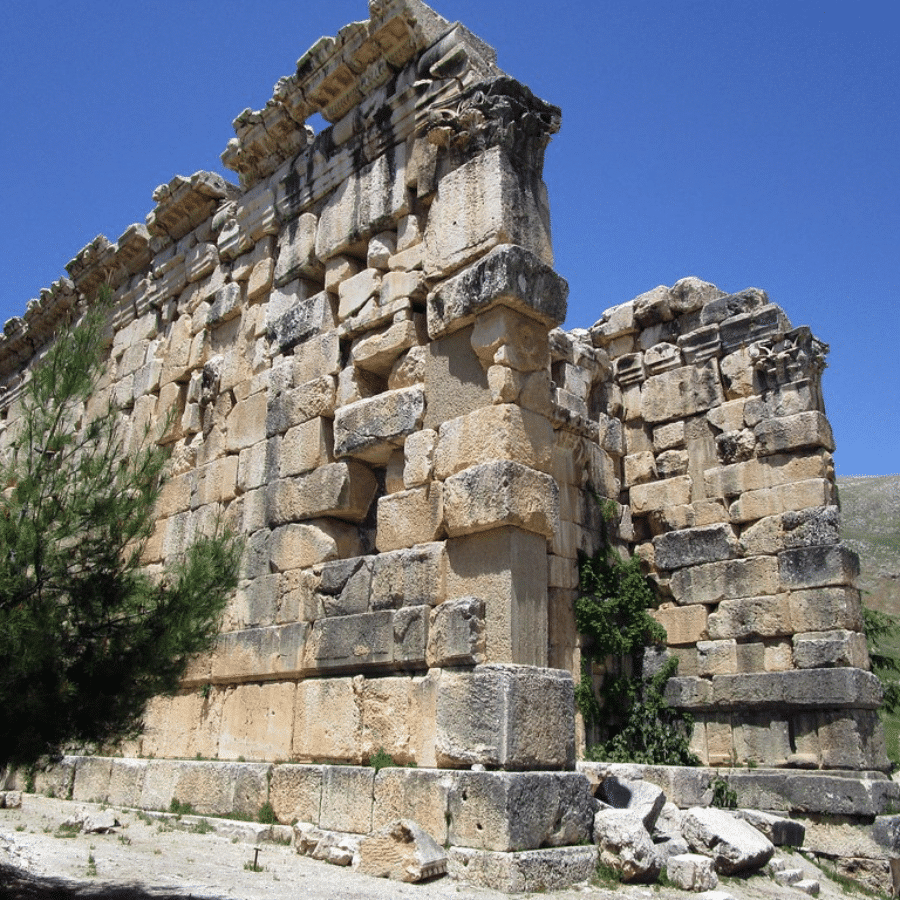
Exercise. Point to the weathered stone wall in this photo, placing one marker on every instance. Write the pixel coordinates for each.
(358, 361)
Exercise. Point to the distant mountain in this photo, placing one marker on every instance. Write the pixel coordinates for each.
(870, 524)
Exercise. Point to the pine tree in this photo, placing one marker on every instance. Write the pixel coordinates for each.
(87, 636)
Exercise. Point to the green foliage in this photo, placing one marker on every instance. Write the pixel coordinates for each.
(881, 631)
(381, 760)
(86, 637)
(635, 723)
(181, 809)
(266, 814)
(724, 797)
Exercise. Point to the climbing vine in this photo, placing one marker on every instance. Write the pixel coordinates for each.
(631, 714)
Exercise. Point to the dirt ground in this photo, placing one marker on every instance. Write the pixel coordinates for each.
(147, 858)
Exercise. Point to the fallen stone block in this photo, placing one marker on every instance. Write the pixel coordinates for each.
(642, 798)
(401, 851)
(333, 847)
(734, 845)
(812, 567)
(10, 799)
(626, 846)
(780, 831)
(691, 872)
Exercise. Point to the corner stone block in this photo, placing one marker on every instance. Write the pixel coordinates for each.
(811, 567)
(728, 580)
(503, 431)
(509, 275)
(507, 568)
(295, 793)
(788, 433)
(483, 203)
(494, 494)
(825, 609)
(505, 811)
(347, 799)
(515, 717)
(694, 546)
(373, 428)
(773, 501)
(344, 490)
(335, 736)
(823, 649)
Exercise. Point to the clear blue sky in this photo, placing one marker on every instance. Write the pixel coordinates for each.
(748, 143)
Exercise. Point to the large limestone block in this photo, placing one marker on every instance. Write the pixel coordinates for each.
(257, 721)
(728, 580)
(297, 250)
(764, 472)
(694, 546)
(734, 845)
(371, 429)
(185, 724)
(456, 633)
(659, 495)
(303, 318)
(256, 653)
(92, 776)
(349, 643)
(494, 494)
(295, 793)
(505, 336)
(335, 736)
(509, 276)
(305, 447)
(363, 202)
(527, 871)
(507, 568)
(504, 431)
(246, 423)
(455, 380)
(345, 586)
(685, 625)
(811, 567)
(402, 851)
(296, 405)
(216, 788)
(344, 490)
(825, 608)
(390, 718)
(773, 501)
(822, 649)
(410, 517)
(691, 872)
(680, 393)
(378, 351)
(483, 203)
(508, 811)
(347, 798)
(318, 356)
(420, 794)
(516, 717)
(788, 433)
(300, 545)
(626, 846)
(763, 617)
(643, 798)
(411, 577)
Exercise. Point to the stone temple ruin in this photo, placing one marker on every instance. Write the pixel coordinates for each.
(361, 343)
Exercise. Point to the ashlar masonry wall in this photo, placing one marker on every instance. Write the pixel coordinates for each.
(356, 360)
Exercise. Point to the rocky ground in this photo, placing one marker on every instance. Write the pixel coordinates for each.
(148, 857)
